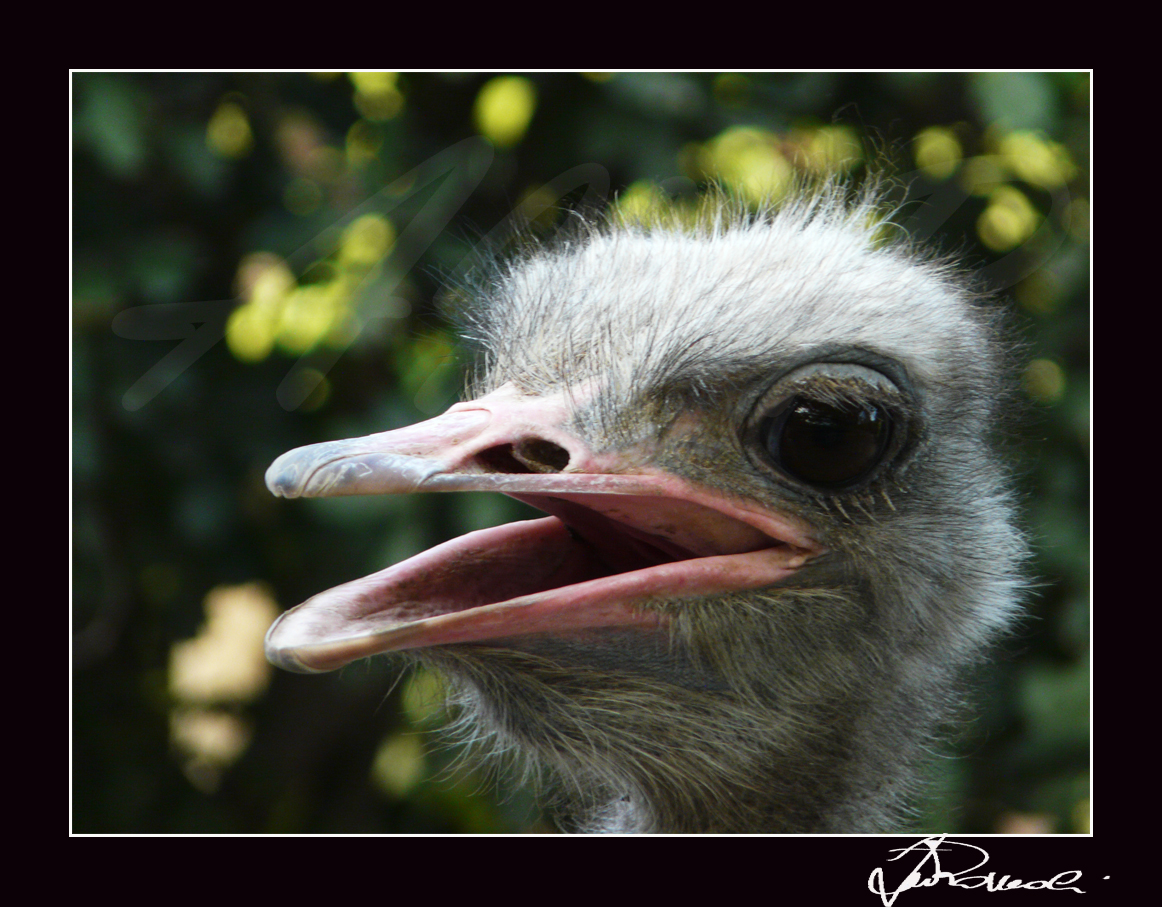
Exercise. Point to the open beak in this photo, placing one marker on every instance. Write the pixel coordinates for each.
(617, 538)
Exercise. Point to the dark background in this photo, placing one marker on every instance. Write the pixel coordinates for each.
(232, 299)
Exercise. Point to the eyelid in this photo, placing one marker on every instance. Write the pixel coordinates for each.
(832, 382)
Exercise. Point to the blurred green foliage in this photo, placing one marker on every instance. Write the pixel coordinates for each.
(258, 264)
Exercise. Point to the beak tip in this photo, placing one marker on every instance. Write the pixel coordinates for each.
(283, 479)
(286, 660)
(284, 656)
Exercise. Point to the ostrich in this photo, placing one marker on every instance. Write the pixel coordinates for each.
(777, 534)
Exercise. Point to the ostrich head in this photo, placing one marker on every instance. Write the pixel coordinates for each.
(777, 531)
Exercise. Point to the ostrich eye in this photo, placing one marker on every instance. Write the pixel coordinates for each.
(824, 445)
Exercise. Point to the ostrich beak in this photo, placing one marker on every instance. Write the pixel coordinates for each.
(617, 538)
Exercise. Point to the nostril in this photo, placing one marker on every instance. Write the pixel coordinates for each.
(540, 455)
(501, 459)
(530, 455)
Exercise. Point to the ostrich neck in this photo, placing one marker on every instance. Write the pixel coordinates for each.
(809, 749)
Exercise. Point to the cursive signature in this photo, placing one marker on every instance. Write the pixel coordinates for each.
(928, 872)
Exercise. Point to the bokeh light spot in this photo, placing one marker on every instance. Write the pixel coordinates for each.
(1044, 381)
(1009, 220)
(228, 132)
(377, 96)
(1038, 161)
(938, 152)
(398, 765)
(749, 159)
(504, 107)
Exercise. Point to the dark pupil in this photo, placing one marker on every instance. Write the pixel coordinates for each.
(826, 445)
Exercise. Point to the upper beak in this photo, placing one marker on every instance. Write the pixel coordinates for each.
(617, 539)
(494, 443)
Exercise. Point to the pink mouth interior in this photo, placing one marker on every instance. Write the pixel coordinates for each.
(591, 564)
